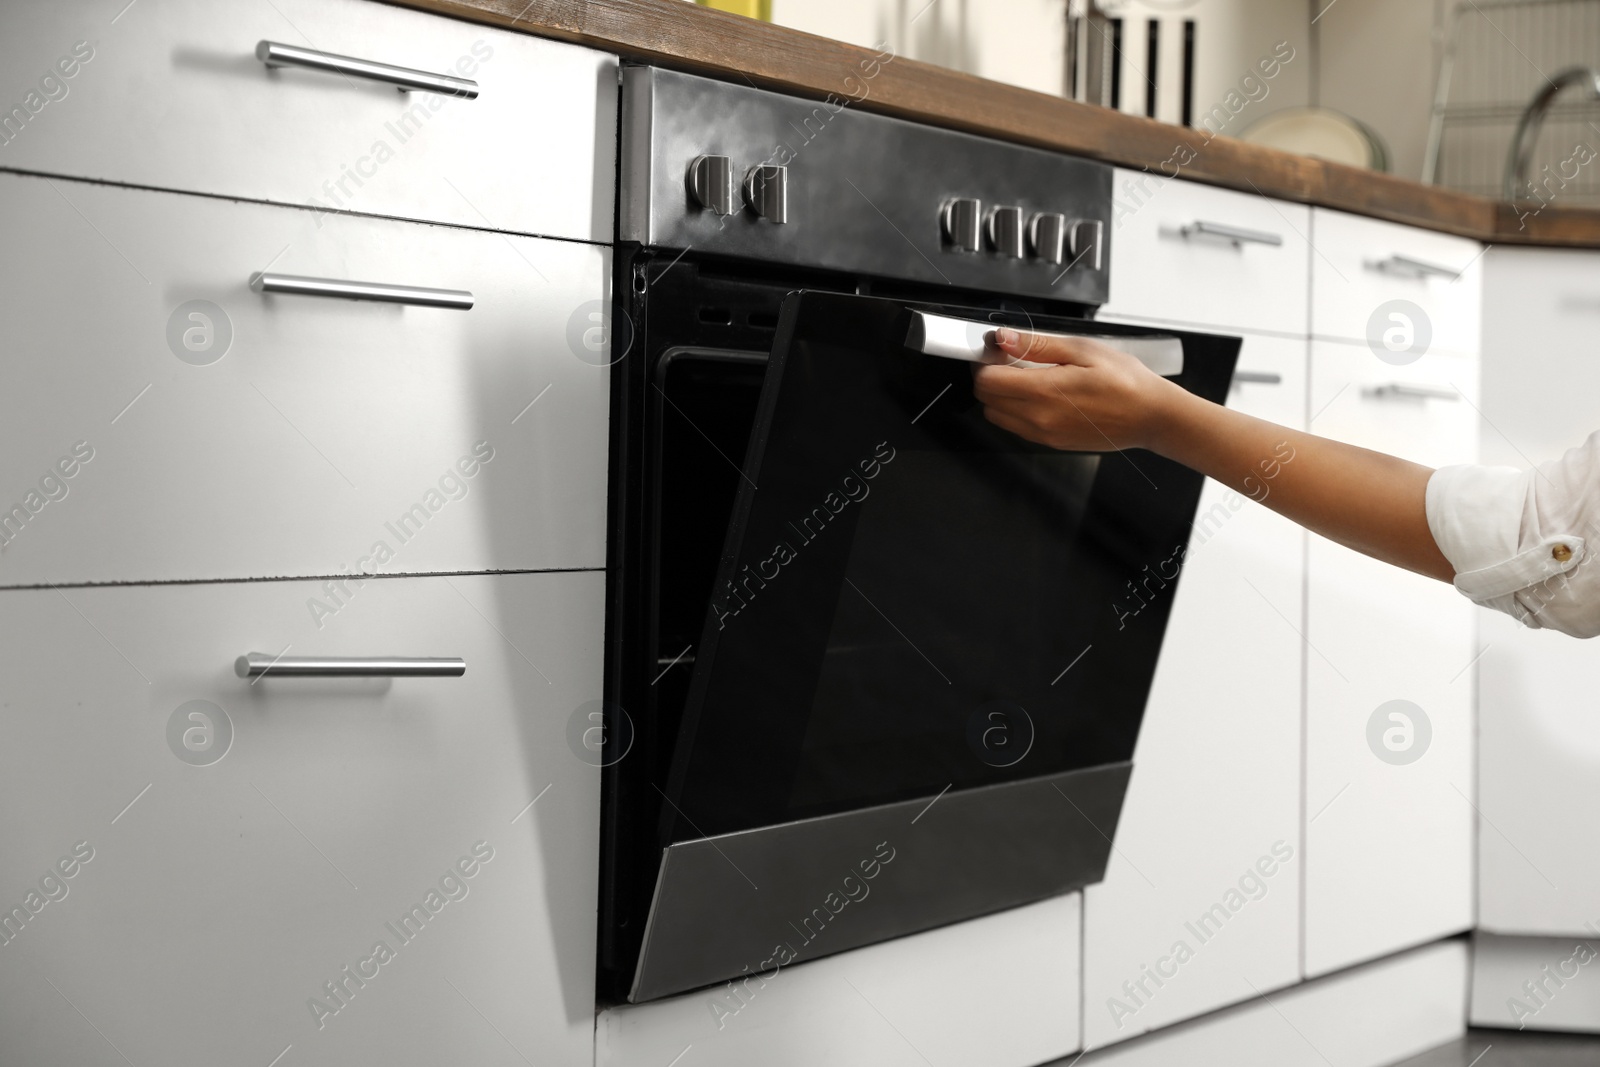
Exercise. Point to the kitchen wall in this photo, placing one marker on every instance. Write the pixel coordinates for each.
(1376, 60)
(1232, 39)
(1021, 42)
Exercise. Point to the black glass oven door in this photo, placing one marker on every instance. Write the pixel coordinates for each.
(928, 638)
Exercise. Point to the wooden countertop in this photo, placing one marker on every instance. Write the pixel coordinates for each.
(681, 35)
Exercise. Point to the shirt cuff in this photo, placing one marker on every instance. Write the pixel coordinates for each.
(1476, 517)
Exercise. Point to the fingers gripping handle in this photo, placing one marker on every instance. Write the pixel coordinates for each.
(952, 338)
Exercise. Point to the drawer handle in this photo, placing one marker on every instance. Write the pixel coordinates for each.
(416, 295)
(256, 664)
(1256, 377)
(1407, 267)
(1411, 392)
(1237, 234)
(405, 79)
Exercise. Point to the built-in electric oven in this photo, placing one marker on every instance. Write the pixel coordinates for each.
(872, 662)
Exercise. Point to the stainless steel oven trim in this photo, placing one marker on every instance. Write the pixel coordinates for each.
(724, 904)
(864, 191)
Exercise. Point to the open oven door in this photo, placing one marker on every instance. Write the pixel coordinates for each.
(927, 653)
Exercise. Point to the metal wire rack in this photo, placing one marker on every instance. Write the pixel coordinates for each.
(1498, 54)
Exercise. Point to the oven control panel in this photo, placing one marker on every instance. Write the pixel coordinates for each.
(1012, 231)
(730, 169)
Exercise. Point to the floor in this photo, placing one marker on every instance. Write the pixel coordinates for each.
(1512, 1048)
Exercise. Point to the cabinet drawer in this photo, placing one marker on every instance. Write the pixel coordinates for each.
(1390, 821)
(1425, 411)
(1363, 266)
(248, 848)
(1190, 253)
(1216, 781)
(328, 435)
(169, 93)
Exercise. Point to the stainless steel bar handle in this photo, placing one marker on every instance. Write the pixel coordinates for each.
(1256, 377)
(256, 664)
(1412, 392)
(1239, 235)
(405, 79)
(416, 295)
(1414, 268)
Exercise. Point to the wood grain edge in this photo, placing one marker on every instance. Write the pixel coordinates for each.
(1552, 226)
(682, 35)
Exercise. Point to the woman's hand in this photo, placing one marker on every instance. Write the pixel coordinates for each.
(1071, 393)
(1080, 395)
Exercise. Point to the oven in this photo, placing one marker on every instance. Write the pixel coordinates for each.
(873, 665)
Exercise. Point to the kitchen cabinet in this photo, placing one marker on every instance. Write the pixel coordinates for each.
(171, 94)
(1389, 766)
(1538, 867)
(1557, 968)
(1203, 885)
(1371, 1016)
(214, 431)
(1366, 272)
(240, 848)
(999, 990)
(1207, 257)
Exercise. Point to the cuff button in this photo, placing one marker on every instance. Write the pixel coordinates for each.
(1561, 553)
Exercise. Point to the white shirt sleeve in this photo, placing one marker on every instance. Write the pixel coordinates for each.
(1519, 539)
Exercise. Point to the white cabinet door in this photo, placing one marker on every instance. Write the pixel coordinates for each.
(217, 432)
(243, 850)
(170, 94)
(1185, 920)
(1410, 290)
(1539, 766)
(1389, 787)
(1001, 990)
(1189, 253)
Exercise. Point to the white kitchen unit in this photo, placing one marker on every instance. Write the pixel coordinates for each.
(1001, 990)
(225, 432)
(1201, 256)
(171, 94)
(1363, 271)
(240, 849)
(1389, 767)
(1202, 890)
(1539, 768)
(1537, 870)
(1371, 1016)
(1535, 983)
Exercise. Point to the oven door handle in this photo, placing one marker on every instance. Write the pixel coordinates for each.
(953, 338)
(258, 664)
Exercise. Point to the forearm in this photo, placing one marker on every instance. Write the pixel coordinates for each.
(1368, 501)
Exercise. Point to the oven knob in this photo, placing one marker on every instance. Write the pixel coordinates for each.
(1047, 235)
(711, 181)
(1086, 242)
(1004, 226)
(962, 220)
(766, 190)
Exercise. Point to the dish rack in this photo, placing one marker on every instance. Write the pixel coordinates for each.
(1498, 55)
